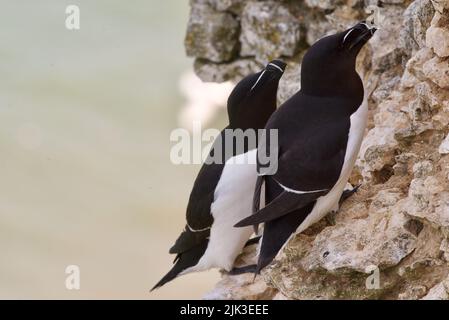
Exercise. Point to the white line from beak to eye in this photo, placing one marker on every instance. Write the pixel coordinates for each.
(258, 79)
(279, 68)
(347, 34)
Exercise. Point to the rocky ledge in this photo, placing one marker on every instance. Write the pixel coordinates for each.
(391, 239)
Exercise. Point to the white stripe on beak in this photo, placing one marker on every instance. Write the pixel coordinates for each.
(366, 25)
(276, 66)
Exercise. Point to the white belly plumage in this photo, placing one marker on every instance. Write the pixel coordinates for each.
(329, 202)
(233, 199)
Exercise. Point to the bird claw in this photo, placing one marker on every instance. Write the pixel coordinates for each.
(347, 193)
(241, 270)
(331, 218)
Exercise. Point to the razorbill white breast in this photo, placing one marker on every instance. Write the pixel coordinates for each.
(222, 192)
(320, 132)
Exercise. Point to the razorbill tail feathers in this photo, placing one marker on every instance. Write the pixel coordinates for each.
(222, 192)
(320, 130)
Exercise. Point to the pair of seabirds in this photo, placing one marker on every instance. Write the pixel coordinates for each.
(320, 130)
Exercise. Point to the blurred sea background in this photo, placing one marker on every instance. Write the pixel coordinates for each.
(86, 178)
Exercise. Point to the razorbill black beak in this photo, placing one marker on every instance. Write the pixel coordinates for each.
(358, 35)
(274, 70)
(276, 65)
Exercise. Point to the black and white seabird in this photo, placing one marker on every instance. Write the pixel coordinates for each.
(222, 193)
(320, 131)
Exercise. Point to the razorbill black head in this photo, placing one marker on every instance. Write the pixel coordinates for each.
(328, 67)
(253, 100)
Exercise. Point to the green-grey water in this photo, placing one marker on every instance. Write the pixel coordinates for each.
(85, 118)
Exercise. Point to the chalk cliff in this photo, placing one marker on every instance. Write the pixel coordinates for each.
(394, 233)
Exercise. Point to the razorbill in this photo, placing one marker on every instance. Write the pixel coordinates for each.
(222, 192)
(320, 131)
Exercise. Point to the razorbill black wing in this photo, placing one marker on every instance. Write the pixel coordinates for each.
(320, 130)
(222, 192)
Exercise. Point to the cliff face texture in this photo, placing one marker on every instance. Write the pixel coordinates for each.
(391, 239)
